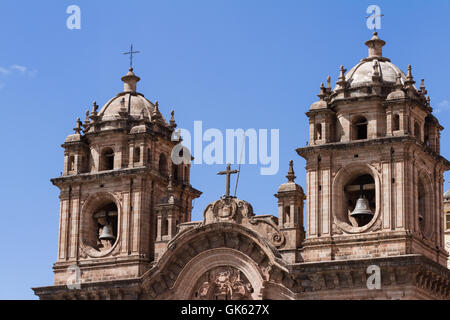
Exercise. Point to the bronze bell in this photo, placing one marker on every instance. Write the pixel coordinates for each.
(362, 208)
(107, 233)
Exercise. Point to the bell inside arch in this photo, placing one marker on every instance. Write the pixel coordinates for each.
(107, 233)
(362, 212)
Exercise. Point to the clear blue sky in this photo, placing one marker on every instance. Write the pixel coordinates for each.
(232, 64)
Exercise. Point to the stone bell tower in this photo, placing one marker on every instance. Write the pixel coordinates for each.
(116, 172)
(374, 169)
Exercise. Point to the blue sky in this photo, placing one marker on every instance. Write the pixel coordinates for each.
(232, 64)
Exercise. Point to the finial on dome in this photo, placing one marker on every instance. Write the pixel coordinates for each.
(328, 84)
(375, 45)
(86, 120)
(291, 174)
(130, 80)
(409, 77)
(322, 93)
(94, 114)
(156, 114)
(341, 80)
(398, 82)
(173, 124)
(77, 128)
(422, 88)
(341, 73)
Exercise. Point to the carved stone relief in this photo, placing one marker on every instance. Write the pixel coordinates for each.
(223, 283)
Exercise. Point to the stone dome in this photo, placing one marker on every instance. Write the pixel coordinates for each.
(362, 73)
(289, 186)
(447, 195)
(375, 65)
(133, 103)
(137, 103)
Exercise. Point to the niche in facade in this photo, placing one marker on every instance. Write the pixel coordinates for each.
(105, 223)
(359, 200)
(107, 159)
(359, 128)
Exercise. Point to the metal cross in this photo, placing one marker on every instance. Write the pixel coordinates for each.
(228, 173)
(131, 52)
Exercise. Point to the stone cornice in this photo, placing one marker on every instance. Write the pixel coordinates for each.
(120, 173)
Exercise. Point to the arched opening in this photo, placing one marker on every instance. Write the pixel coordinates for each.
(163, 165)
(422, 207)
(360, 128)
(318, 131)
(185, 177)
(287, 214)
(175, 174)
(137, 155)
(107, 159)
(396, 122)
(71, 167)
(416, 130)
(165, 228)
(359, 200)
(105, 222)
(425, 205)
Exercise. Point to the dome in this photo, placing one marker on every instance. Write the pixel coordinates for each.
(289, 186)
(319, 105)
(362, 73)
(375, 66)
(73, 138)
(133, 102)
(129, 102)
(447, 195)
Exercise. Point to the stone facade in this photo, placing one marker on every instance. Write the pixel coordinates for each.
(374, 204)
(447, 222)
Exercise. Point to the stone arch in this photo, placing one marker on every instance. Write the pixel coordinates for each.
(107, 155)
(425, 207)
(359, 127)
(137, 155)
(210, 259)
(417, 132)
(162, 165)
(194, 247)
(396, 122)
(87, 225)
(318, 133)
(344, 176)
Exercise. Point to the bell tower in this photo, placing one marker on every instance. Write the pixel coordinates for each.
(374, 169)
(116, 174)
(290, 214)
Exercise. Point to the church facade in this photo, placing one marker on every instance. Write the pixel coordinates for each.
(375, 223)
